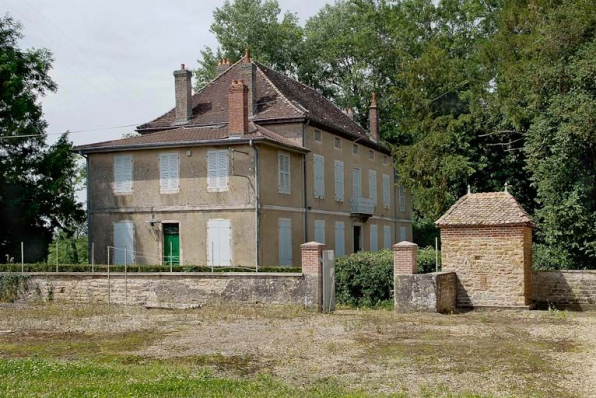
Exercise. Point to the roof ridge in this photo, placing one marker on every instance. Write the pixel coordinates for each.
(312, 89)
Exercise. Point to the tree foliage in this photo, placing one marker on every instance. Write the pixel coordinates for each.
(472, 92)
(37, 181)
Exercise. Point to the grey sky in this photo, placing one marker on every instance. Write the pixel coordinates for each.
(114, 59)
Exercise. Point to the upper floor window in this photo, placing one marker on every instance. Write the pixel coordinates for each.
(372, 186)
(319, 169)
(337, 143)
(168, 173)
(386, 191)
(371, 154)
(122, 174)
(384, 160)
(318, 136)
(339, 180)
(355, 149)
(283, 172)
(217, 171)
(402, 198)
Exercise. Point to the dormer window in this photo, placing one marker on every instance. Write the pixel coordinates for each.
(355, 149)
(318, 136)
(371, 154)
(337, 143)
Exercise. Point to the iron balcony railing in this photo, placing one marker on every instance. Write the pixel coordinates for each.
(362, 205)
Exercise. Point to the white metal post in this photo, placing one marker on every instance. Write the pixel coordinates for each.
(212, 257)
(22, 257)
(92, 256)
(56, 254)
(171, 253)
(125, 275)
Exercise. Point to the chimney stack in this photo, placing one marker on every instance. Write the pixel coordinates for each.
(183, 91)
(374, 118)
(223, 65)
(349, 112)
(248, 73)
(237, 109)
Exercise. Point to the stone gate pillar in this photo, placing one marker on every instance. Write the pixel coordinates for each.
(312, 268)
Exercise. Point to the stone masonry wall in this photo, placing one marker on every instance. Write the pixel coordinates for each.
(492, 263)
(574, 289)
(434, 292)
(165, 289)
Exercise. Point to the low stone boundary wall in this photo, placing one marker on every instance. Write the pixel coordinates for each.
(571, 289)
(170, 289)
(434, 292)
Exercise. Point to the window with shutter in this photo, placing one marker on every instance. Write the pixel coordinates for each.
(339, 181)
(386, 191)
(319, 169)
(373, 238)
(340, 239)
(123, 174)
(217, 171)
(387, 237)
(219, 242)
(402, 198)
(372, 185)
(283, 172)
(402, 234)
(356, 183)
(285, 241)
(168, 173)
(320, 231)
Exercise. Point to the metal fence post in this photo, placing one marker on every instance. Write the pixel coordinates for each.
(171, 259)
(22, 257)
(436, 254)
(92, 256)
(56, 254)
(125, 275)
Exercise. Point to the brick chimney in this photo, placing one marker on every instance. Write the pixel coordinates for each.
(349, 113)
(373, 117)
(237, 109)
(183, 91)
(248, 73)
(222, 66)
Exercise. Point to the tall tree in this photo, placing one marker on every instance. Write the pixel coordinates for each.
(36, 180)
(272, 38)
(546, 90)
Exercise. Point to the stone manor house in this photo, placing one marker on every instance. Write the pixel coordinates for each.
(241, 173)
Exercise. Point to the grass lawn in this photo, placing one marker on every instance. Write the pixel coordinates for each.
(92, 351)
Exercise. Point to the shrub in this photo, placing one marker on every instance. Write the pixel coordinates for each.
(426, 260)
(364, 279)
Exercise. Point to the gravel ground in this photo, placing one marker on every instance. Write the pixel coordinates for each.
(504, 353)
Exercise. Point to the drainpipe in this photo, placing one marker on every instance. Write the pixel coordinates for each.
(304, 126)
(257, 199)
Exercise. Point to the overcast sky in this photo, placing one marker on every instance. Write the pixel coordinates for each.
(113, 60)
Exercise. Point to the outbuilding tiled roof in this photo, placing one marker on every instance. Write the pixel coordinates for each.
(491, 208)
(182, 136)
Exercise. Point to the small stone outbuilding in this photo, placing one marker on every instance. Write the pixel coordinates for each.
(486, 239)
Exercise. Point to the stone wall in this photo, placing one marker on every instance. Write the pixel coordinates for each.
(493, 264)
(171, 289)
(570, 289)
(435, 292)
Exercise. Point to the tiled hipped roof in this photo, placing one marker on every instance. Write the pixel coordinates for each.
(484, 209)
(278, 98)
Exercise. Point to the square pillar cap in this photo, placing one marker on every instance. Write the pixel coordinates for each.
(312, 245)
(404, 245)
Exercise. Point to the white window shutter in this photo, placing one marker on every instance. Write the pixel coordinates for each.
(372, 185)
(212, 170)
(320, 231)
(319, 168)
(373, 238)
(123, 174)
(339, 180)
(402, 198)
(386, 190)
(283, 165)
(387, 237)
(340, 240)
(174, 171)
(285, 241)
(402, 234)
(164, 172)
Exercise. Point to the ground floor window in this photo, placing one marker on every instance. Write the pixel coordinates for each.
(124, 242)
(285, 241)
(387, 237)
(373, 238)
(219, 242)
(340, 247)
(402, 234)
(320, 231)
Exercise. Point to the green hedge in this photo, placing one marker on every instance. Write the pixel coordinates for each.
(44, 267)
(365, 279)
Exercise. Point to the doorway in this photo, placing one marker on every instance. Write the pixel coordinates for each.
(357, 238)
(171, 244)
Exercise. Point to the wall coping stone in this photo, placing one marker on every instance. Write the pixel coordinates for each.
(567, 271)
(210, 275)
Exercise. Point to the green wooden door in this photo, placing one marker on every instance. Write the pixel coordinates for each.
(171, 244)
